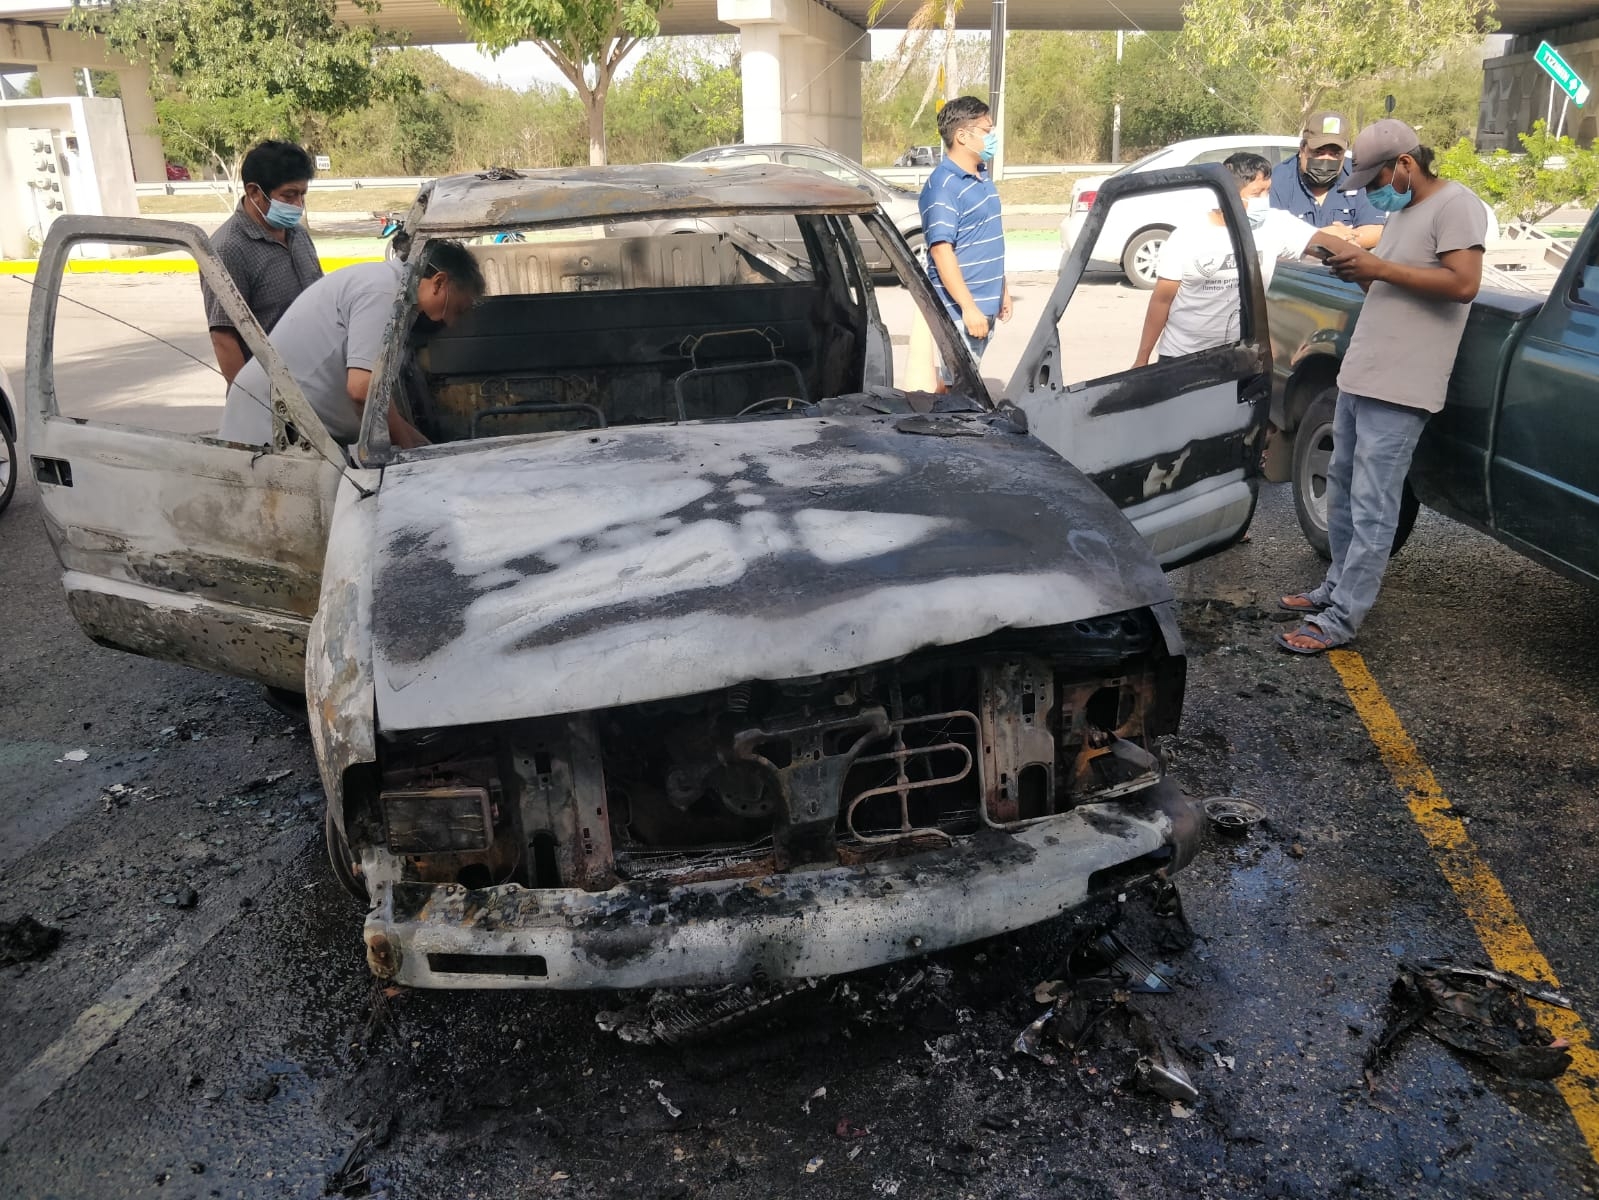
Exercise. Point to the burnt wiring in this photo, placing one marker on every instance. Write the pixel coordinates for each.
(365, 493)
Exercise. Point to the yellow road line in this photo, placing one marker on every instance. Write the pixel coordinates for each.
(1488, 906)
(150, 266)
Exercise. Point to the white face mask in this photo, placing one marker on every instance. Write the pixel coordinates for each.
(1256, 208)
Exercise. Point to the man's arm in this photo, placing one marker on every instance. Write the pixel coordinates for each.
(1368, 219)
(949, 274)
(1155, 317)
(402, 434)
(1458, 279)
(229, 349)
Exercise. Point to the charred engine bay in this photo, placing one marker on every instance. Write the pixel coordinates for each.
(845, 768)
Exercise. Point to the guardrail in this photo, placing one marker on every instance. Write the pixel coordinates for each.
(903, 175)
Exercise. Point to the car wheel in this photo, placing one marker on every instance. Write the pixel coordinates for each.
(917, 241)
(1141, 256)
(339, 857)
(1313, 450)
(8, 466)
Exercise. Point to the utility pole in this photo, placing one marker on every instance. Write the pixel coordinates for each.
(996, 87)
(1116, 113)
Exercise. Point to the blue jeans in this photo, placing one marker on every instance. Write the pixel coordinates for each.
(975, 345)
(1372, 445)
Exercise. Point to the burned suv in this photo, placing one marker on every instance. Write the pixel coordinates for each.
(692, 651)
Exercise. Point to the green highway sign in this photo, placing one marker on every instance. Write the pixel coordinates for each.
(1560, 71)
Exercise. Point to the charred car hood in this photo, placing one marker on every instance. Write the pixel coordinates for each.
(528, 578)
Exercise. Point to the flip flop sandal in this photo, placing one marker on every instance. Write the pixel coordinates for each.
(1323, 642)
(1312, 609)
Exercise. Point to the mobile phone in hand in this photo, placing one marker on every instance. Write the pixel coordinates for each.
(1324, 253)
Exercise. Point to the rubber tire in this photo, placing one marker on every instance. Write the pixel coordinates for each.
(1130, 256)
(339, 858)
(8, 463)
(1312, 452)
(917, 241)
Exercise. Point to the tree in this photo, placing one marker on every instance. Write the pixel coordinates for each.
(1312, 46)
(585, 39)
(681, 95)
(930, 17)
(236, 70)
(1166, 98)
(1526, 187)
(218, 133)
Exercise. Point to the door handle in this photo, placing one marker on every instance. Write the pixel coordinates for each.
(52, 470)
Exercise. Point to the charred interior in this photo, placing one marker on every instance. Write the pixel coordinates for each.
(835, 769)
(644, 326)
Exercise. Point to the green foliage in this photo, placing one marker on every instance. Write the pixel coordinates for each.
(1552, 172)
(1166, 97)
(1440, 103)
(215, 134)
(486, 124)
(584, 31)
(680, 96)
(1311, 47)
(585, 39)
(288, 54)
(1054, 96)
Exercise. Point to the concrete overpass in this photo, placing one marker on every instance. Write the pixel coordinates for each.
(802, 58)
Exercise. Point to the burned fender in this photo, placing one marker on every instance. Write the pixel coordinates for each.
(338, 660)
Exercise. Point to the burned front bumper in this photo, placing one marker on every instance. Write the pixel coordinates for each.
(800, 924)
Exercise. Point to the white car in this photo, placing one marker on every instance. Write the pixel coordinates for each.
(1136, 228)
(8, 441)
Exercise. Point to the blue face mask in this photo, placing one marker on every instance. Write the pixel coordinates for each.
(1386, 199)
(990, 147)
(280, 215)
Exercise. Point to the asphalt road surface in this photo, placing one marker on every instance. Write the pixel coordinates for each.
(206, 1026)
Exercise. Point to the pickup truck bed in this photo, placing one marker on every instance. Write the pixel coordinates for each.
(1514, 453)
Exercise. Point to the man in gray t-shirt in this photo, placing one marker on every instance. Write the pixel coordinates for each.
(1419, 283)
(331, 336)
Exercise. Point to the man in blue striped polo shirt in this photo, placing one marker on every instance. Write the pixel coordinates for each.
(960, 220)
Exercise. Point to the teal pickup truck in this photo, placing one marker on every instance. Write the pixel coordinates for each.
(1514, 453)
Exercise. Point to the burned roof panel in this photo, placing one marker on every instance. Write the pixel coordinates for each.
(571, 195)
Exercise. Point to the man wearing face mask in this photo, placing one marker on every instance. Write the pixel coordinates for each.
(1195, 303)
(1314, 185)
(961, 223)
(1419, 287)
(264, 247)
(332, 336)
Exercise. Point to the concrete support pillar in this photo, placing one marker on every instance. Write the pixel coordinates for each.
(57, 79)
(802, 72)
(761, 59)
(144, 140)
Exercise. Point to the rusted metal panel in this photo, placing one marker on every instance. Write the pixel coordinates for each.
(799, 925)
(264, 647)
(1019, 732)
(560, 574)
(566, 820)
(579, 195)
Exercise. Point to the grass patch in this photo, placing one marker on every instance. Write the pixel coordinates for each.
(1037, 189)
(355, 200)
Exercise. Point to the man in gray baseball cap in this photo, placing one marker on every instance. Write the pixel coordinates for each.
(1419, 283)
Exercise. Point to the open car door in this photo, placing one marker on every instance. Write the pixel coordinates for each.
(173, 544)
(1177, 443)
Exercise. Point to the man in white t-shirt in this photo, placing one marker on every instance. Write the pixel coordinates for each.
(1195, 304)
